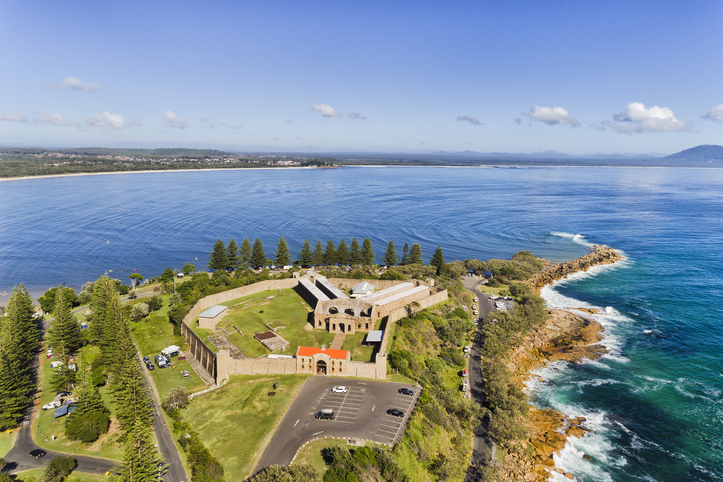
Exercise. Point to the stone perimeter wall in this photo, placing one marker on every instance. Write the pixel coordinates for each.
(222, 365)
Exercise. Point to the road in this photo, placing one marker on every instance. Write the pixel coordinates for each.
(19, 457)
(361, 413)
(482, 447)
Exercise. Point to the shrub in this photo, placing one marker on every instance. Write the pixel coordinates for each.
(154, 303)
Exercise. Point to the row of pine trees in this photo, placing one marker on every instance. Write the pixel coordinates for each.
(231, 257)
(20, 336)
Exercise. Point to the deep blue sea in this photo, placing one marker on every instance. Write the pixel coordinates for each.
(654, 402)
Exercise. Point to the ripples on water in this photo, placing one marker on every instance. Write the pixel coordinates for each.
(654, 401)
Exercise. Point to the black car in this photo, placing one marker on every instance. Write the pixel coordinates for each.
(37, 453)
(406, 391)
(147, 359)
(63, 394)
(150, 366)
(395, 413)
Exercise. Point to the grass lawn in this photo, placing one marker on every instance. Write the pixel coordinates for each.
(358, 352)
(237, 421)
(75, 476)
(46, 426)
(154, 335)
(493, 291)
(7, 439)
(275, 307)
(311, 453)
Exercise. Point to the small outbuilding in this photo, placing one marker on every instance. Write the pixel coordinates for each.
(362, 289)
(375, 336)
(209, 318)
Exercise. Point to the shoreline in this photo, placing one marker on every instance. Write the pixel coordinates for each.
(567, 336)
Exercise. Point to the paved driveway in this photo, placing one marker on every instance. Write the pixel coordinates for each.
(361, 413)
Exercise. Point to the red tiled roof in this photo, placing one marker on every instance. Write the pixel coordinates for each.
(309, 351)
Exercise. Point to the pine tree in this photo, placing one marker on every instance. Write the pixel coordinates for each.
(103, 291)
(282, 257)
(405, 255)
(91, 417)
(342, 253)
(245, 254)
(140, 457)
(19, 340)
(367, 253)
(330, 254)
(305, 257)
(390, 256)
(64, 333)
(258, 256)
(319, 254)
(218, 259)
(437, 259)
(415, 255)
(355, 254)
(232, 255)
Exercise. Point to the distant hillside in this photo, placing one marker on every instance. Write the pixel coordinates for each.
(705, 153)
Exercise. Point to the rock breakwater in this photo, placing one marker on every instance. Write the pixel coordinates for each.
(553, 272)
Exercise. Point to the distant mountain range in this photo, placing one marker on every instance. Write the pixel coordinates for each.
(705, 153)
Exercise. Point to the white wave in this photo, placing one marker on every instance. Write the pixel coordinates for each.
(693, 389)
(596, 382)
(576, 238)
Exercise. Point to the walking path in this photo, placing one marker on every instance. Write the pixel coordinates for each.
(338, 341)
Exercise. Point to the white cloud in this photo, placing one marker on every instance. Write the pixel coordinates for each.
(53, 119)
(107, 120)
(12, 117)
(638, 118)
(75, 83)
(715, 114)
(325, 109)
(356, 116)
(471, 120)
(552, 115)
(172, 120)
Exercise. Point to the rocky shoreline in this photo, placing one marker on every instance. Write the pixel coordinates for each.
(564, 336)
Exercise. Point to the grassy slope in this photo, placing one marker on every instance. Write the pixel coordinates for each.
(153, 336)
(75, 476)
(7, 439)
(236, 422)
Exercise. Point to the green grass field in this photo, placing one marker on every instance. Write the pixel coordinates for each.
(276, 308)
(75, 476)
(311, 453)
(154, 335)
(7, 439)
(46, 426)
(237, 421)
(358, 352)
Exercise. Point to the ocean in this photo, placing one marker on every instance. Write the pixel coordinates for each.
(653, 402)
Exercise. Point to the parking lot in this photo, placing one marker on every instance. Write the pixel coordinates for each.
(360, 413)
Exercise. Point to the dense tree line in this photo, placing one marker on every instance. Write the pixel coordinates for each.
(231, 257)
(19, 342)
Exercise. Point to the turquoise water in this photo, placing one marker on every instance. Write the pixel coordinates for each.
(654, 402)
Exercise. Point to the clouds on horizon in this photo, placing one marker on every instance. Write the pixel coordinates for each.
(106, 120)
(715, 114)
(325, 109)
(13, 118)
(552, 116)
(637, 119)
(471, 120)
(173, 121)
(76, 83)
(53, 118)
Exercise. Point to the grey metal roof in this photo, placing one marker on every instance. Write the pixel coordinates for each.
(212, 312)
(375, 336)
(362, 287)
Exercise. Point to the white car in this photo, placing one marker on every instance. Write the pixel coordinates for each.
(51, 405)
(474, 307)
(465, 387)
(475, 312)
(467, 349)
(339, 389)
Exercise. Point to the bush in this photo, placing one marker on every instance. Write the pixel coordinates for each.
(139, 311)
(154, 303)
(57, 469)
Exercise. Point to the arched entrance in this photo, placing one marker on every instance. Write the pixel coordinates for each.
(341, 327)
(321, 367)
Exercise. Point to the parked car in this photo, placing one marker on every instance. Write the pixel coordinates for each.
(339, 389)
(162, 361)
(475, 312)
(51, 405)
(464, 372)
(406, 391)
(147, 359)
(467, 349)
(474, 307)
(395, 413)
(465, 386)
(62, 394)
(150, 366)
(326, 414)
(37, 453)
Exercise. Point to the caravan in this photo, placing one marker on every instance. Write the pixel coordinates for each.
(170, 351)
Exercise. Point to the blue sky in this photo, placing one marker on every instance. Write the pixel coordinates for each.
(576, 77)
